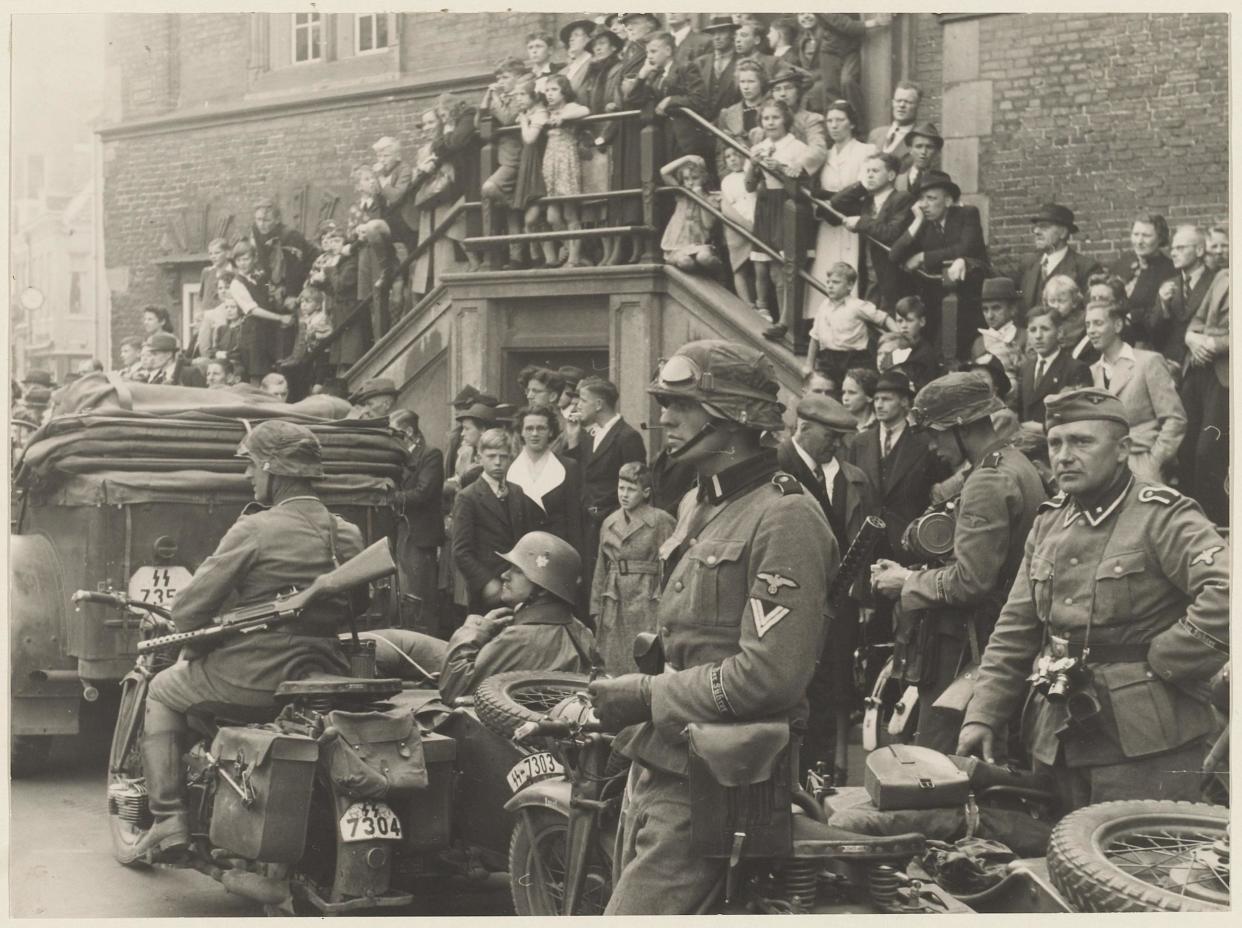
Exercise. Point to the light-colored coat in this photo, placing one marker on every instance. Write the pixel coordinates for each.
(1142, 382)
(626, 587)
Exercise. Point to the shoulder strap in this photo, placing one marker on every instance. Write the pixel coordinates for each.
(590, 657)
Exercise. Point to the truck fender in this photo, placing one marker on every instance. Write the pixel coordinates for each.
(547, 794)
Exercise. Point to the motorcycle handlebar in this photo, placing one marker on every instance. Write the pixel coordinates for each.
(120, 602)
(554, 728)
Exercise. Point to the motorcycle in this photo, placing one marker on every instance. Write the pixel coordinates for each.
(337, 801)
(561, 855)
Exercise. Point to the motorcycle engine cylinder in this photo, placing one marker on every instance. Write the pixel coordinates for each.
(128, 802)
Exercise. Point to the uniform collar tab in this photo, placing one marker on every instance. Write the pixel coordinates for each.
(737, 477)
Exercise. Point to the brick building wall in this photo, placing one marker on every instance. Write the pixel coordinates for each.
(1034, 107)
(1112, 115)
(155, 178)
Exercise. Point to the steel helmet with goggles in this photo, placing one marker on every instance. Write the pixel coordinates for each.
(731, 381)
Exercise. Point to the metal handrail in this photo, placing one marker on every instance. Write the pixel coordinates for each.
(364, 306)
(737, 146)
(745, 233)
(580, 121)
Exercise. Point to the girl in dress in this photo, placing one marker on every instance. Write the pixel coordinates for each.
(562, 171)
(623, 603)
(530, 188)
(779, 155)
(833, 242)
(687, 237)
(738, 204)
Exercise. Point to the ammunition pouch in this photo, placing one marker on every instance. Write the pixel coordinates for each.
(740, 789)
(372, 755)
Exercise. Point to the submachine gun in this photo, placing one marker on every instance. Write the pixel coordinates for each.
(371, 564)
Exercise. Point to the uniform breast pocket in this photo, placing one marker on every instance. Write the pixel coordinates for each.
(1115, 579)
(717, 587)
(1041, 585)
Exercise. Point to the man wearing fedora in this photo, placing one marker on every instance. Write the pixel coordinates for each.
(164, 365)
(374, 399)
(923, 145)
(1001, 336)
(716, 67)
(946, 239)
(892, 137)
(1052, 225)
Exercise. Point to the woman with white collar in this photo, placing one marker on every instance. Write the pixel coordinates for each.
(552, 482)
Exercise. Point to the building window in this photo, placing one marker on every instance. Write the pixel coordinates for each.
(370, 32)
(307, 37)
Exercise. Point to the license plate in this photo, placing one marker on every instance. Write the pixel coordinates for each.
(370, 821)
(533, 767)
(158, 585)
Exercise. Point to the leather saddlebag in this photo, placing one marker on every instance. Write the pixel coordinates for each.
(740, 785)
(275, 772)
(905, 776)
(371, 755)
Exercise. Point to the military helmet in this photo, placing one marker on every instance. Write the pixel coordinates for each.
(548, 562)
(283, 448)
(732, 382)
(955, 399)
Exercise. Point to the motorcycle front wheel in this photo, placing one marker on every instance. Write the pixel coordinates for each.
(1143, 856)
(128, 814)
(544, 834)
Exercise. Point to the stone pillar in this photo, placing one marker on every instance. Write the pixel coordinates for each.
(966, 111)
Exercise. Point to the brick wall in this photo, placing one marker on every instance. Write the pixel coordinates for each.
(1110, 114)
(141, 44)
(215, 56)
(927, 65)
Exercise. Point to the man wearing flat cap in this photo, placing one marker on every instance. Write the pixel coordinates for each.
(285, 539)
(1052, 225)
(923, 146)
(164, 365)
(1124, 589)
(374, 399)
(947, 612)
(846, 496)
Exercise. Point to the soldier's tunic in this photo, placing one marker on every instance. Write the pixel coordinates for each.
(994, 515)
(742, 619)
(264, 555)
(1144, 567)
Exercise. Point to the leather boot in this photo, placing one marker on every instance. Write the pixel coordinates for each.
(161, 763)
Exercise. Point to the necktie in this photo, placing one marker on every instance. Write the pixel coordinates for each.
(1046, 269)
(1039, 371)
(1107, 379)
(887, 445)
(940, 227)
(720, 66)
(502, 490)
(824, 482)
(892, 138)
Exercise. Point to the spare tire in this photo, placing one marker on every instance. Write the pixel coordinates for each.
(1143, 856)
(504, 701)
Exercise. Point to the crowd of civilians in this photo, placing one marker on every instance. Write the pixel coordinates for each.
(891, 242)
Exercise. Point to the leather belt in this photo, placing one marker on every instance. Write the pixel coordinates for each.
(1104, 653)
(625, 568)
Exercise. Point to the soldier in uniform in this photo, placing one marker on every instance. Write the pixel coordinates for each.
(534, 629)
(264, 554)
(1129, 581)
(959, 602)
(742, 618)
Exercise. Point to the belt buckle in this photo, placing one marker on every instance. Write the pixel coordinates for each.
(623, 568)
